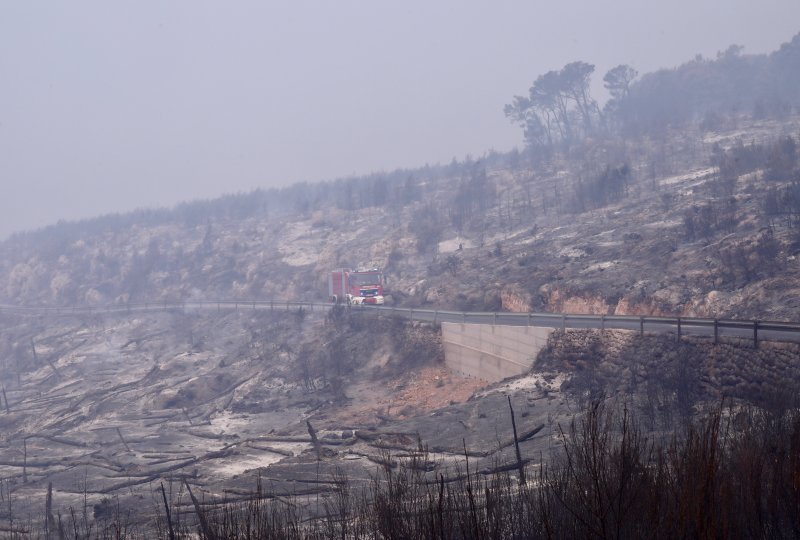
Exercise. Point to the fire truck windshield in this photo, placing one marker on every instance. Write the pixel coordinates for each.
(365, 279)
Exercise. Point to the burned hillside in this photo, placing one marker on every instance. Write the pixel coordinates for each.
(695, 213)
(699, 223)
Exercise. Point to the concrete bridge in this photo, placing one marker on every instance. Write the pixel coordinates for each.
(486, 345)
(492, 352)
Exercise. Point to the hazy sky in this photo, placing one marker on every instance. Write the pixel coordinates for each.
(109, 106)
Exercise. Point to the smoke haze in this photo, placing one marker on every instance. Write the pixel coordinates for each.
(107, 107)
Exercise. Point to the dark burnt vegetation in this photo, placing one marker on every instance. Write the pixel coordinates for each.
(164, 380)
(559, 111)
(610, 186)
(667, 438)
(731, 472)
(741, 259)
(741, 262)
(349, 340)
(709, 89)
(668, 380)
(776, 161)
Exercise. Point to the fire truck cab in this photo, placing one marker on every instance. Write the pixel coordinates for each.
(356, 286)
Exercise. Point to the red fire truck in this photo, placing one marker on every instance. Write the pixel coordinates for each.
(356, 286)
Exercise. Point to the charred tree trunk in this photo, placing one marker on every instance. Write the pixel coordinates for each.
(24, 461)
(5, 398)
(169, 516)
(121, 438)
(520, 464)
(49, 520)
(312, 432)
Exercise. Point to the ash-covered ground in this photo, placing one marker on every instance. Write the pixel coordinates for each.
(107, 408)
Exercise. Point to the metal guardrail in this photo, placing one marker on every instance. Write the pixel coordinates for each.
(754, 330)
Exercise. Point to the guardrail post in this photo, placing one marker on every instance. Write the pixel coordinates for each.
(494, 318)
(602, 323)
(272, 305)
(564, 323)
(463, 317)
(411, 314)
(529, 318)
(435, 315)
(679, 328)
(716, 331)
(755, 334)
(641, 326)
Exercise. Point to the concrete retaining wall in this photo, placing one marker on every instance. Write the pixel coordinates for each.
(489, 352)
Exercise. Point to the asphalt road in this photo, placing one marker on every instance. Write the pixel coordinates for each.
(745, 329)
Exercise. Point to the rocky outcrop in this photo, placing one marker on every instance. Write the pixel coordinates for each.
(560, 301)
(515, 299)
